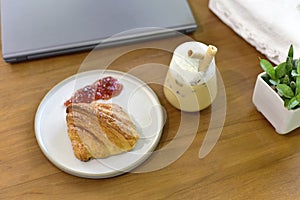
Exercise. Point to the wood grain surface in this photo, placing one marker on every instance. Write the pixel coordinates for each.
(249, 161)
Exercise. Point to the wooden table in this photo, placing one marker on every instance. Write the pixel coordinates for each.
(249, 161)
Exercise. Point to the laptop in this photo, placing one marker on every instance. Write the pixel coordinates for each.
(34, 29)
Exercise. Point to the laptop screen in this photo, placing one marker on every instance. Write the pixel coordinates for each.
(35, 28)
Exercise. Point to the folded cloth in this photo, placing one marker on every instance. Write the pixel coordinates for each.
(271, 26)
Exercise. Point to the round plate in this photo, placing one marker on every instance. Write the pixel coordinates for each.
(139, 101)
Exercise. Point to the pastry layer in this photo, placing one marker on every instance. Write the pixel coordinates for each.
(99, 130)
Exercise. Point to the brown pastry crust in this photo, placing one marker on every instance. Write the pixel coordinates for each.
(99, 130)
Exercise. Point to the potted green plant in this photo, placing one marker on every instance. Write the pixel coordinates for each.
(277, 93)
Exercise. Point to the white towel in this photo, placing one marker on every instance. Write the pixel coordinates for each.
(271, 26)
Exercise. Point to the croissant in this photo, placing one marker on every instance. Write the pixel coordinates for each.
(99, 130)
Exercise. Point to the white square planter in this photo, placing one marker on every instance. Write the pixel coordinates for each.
(270, 104)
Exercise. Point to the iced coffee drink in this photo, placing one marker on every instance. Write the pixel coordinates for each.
(191, 83)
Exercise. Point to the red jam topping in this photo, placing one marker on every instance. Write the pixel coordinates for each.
(104, 89)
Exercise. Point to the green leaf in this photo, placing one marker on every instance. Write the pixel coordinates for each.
(297, 90)
(292, 103)
(286, 102)
(289, 65)
(291, 52)
(268, 68)
(298, 97)
(285, 90)
(294, 73)
(280, 70)
(289, 60)
(298, 66)
(274, 82)
(285, 80)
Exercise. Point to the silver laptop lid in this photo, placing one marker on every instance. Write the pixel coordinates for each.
(40, 28)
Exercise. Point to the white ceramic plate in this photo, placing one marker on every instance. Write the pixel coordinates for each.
(139, 101)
